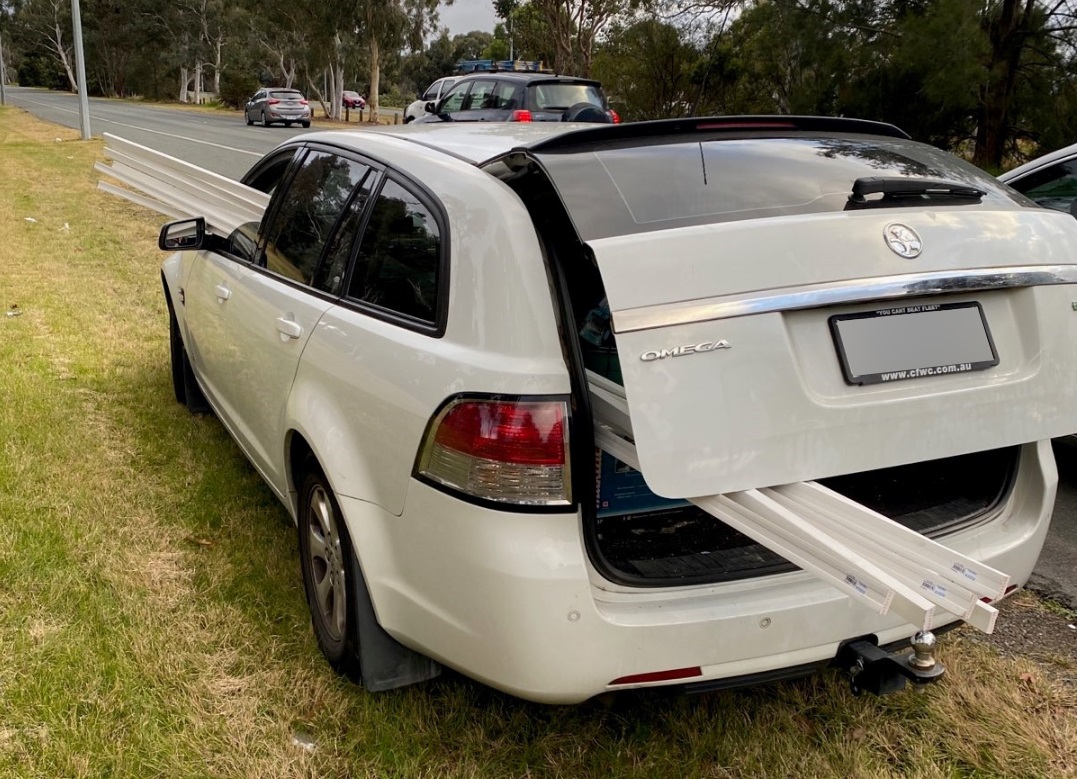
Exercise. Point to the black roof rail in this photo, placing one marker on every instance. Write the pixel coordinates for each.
(716, 125)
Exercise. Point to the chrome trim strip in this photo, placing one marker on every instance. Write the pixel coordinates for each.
(839, 293)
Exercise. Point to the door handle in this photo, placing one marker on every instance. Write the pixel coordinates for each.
(288, 328)
(223, 293)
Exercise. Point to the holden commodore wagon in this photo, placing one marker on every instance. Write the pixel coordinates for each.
(549, 403)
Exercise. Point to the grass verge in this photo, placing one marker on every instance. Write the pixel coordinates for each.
(152, 621)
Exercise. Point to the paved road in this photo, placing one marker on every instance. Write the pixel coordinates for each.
(220, 142)
(225, 144)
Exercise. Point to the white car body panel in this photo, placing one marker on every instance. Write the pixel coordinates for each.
(506, 595)
(249, 364)
(509, 598)
(774, 408)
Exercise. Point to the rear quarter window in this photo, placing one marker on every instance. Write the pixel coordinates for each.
(398, 267)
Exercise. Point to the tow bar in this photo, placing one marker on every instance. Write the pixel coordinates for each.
(877, 671)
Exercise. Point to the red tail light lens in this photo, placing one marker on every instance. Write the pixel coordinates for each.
(501, 450)
(304, 102)
(616, 117)
(520, 115)
(272, 101)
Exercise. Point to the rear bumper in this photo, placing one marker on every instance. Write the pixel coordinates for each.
(512, 600)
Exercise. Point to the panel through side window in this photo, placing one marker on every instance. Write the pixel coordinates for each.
(307, 212)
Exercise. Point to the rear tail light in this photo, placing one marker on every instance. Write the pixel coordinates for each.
(520, 115)
(507, 451)
(272, 101)
(616, 117)
(304, 102)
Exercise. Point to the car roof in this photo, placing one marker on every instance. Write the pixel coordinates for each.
(478, 142)
(1040, 162)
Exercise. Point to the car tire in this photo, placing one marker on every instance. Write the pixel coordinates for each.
(265, 122)
(248, 119)
(330, 571)
(305, 124)
(184, 384)
(408, 119)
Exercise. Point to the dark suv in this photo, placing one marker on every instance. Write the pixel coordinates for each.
(521, 97)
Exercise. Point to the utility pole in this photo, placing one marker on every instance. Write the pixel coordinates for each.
(3, 73)
(80, 71)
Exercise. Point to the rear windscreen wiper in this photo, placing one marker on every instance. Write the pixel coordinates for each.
(895, 191)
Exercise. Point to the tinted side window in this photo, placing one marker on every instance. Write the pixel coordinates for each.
(397, 266)
(306, 213)
(507, 97)
(454, 99)
(482, 96)
(1054, 187)
(432, 91)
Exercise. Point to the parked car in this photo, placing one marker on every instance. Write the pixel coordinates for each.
(432, 94)
(1050, 180)
(277, 106)
(510, 96)
(353, 100)
(420, 344)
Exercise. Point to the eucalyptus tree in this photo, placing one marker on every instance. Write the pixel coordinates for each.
(570, 28)
(46, 25)
(387, 25)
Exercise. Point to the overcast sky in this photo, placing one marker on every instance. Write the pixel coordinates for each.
(467, 15)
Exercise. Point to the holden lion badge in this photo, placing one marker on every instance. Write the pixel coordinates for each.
(903, 240)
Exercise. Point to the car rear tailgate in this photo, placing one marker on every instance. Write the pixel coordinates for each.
(730, 358)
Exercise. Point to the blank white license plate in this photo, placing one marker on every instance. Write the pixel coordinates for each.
(912, 342)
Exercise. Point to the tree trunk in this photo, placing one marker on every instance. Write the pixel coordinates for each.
(219, 45)
(375, 80)
(63, 56)
(1007, 33)
(338, 92)
(198, 83)
(185, 79)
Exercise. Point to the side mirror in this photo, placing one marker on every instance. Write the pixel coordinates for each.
(183, 234)
(430, 107)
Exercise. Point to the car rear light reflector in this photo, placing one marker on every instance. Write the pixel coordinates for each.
(660, 676)
(509, 451)
(616, 117)
(520, 115)
(1009, 589)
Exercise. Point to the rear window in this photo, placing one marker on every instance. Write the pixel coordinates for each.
(282, 95)
(558, 96)
(633, 189)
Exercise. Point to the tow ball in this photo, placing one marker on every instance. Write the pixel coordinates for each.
(872, 669)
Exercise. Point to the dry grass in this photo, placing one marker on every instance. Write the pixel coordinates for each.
(151, 615)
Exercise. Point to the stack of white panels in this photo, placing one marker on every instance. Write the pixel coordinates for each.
(179, 189)
(863, 554)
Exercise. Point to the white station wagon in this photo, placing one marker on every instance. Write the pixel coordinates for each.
(701, 403)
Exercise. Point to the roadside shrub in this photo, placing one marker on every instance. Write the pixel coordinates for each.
(236, 87)
(395, 98)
